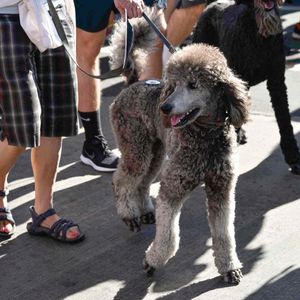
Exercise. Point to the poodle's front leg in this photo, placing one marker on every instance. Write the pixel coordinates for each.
(221, 206)
(178, 180)
(166, 241)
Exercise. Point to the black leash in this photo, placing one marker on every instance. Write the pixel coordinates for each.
(171, 48)
(61, 33)
(128, 43)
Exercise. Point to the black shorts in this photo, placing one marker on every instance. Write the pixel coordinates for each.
(93, 15)
(188, 3)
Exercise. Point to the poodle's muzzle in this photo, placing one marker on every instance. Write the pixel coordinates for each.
(166, 108)
(176, 119)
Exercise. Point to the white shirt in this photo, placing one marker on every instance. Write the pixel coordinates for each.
(13, 9)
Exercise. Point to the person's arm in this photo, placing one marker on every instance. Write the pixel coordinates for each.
(134, 7)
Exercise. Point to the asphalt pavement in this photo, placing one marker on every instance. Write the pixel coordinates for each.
(108, 264)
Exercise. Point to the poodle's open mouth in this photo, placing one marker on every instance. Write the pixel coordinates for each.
(183, 119)
(268, 4)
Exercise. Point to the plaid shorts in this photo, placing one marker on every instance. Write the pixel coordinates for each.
(38, 91)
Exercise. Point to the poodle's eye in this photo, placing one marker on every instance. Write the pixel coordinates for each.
(192, 85)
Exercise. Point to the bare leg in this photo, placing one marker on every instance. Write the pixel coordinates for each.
(88, 49)
(169, 9)
(95, 152)
(221, 206)
(8, 157)
(45, 160)
(153, 70)
(181, 23)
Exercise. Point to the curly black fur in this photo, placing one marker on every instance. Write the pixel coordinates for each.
(255, 53)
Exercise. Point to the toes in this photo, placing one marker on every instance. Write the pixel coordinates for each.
(148, 218)
(6, 227)
(133, 224)
(147, 268)
(73, 232)
(233, 276)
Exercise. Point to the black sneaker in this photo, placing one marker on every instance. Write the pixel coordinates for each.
(98, 155)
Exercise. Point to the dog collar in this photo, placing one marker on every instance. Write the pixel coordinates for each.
(206, 121)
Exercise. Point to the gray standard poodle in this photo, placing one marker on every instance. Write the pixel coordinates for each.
(249, 33)
(189, 115)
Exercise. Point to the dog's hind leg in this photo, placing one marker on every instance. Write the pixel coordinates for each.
(158, 153)
(130, 184)
(130, 181)
(221, 207)
(177, 181)
(127, 197)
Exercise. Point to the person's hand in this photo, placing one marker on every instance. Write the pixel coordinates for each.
(134, 7)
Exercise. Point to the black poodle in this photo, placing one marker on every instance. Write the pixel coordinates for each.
(249, 33)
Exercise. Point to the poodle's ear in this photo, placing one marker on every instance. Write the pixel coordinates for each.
(236, 94)
(167, 90)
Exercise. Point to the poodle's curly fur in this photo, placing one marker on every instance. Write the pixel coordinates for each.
(249, 33)
(201, 99)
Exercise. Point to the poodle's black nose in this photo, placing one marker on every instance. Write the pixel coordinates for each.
(166, 108)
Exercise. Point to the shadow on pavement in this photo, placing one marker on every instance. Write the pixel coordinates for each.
(34, 266)
(288, 279)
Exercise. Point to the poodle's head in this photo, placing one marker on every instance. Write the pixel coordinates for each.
(199, 84)
(266, 14)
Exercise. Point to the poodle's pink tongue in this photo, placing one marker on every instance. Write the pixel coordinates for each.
(176, 119)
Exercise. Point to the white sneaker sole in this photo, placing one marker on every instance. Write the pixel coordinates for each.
(88, 162)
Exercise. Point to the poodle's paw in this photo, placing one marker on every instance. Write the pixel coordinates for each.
(241, 137)
(233, 276)
(295, 168)
(134, 224)
(147, 268)
(148, 218)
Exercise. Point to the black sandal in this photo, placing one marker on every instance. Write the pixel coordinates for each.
(58, 230)
(6, 215)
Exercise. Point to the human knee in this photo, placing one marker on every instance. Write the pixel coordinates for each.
(89, 46)
(195, 10)
(190, 13)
